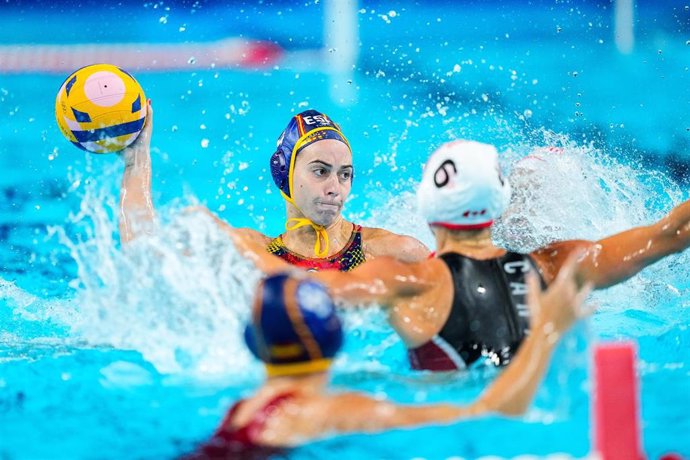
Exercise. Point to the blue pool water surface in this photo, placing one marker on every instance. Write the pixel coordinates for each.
(106, 353)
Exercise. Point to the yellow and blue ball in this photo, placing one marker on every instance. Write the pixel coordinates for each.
(101, 108)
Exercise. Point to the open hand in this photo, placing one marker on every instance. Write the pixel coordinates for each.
(140, 150)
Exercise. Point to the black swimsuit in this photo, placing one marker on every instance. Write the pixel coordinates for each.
(489, 316)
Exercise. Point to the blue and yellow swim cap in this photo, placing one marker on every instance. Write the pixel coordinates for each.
(294, 327)
(304, 129)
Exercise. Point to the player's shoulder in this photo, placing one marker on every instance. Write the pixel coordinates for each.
(380, 242)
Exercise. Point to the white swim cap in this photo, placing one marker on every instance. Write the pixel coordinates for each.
(462, 187)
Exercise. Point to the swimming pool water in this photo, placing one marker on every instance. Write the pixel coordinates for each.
(112, 354)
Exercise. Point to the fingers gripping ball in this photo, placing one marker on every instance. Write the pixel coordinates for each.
(101, 108)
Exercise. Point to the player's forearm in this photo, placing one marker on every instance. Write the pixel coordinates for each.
(351, 289)
(256, 251)
(136, 206)
(622, 256)
(410, 416)
(676, 226)
(512, 392)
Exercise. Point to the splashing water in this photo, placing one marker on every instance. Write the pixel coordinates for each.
(179, 297)
(567, 191)
(578, 192)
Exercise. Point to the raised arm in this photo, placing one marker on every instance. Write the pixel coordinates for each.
(614, 259)
(511, 393)
(250, 243)
(554, 312)
(136, 206)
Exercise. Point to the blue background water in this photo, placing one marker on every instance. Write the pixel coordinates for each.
(100, 358)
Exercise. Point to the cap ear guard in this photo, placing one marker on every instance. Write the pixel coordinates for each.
(250, 340)
(303, 129)
(279, 169)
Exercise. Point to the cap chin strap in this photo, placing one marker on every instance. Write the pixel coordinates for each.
(320, 250)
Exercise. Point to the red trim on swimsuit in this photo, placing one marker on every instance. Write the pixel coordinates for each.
(431, 357)
(230, 442)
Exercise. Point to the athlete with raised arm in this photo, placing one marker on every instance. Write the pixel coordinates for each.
(467, 304)
(312, 166)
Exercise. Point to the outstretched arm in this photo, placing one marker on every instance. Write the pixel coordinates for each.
(511, 393)
(250, 243)
(136, 206)
(614, 259)
(383, 280)
(554, 312)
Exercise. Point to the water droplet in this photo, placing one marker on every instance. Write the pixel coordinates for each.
(182, 28)
(527, 113)
(163, 19)
(191, 60)
(687, 42)
(174, 128)
(204, 143)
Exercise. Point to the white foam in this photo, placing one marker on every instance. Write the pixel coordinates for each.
(180, 297)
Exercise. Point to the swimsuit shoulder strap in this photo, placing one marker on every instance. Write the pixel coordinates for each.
(276, 246)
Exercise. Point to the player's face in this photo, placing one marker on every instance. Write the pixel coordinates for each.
(322, 180)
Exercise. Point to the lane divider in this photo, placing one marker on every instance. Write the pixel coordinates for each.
(140, 57)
